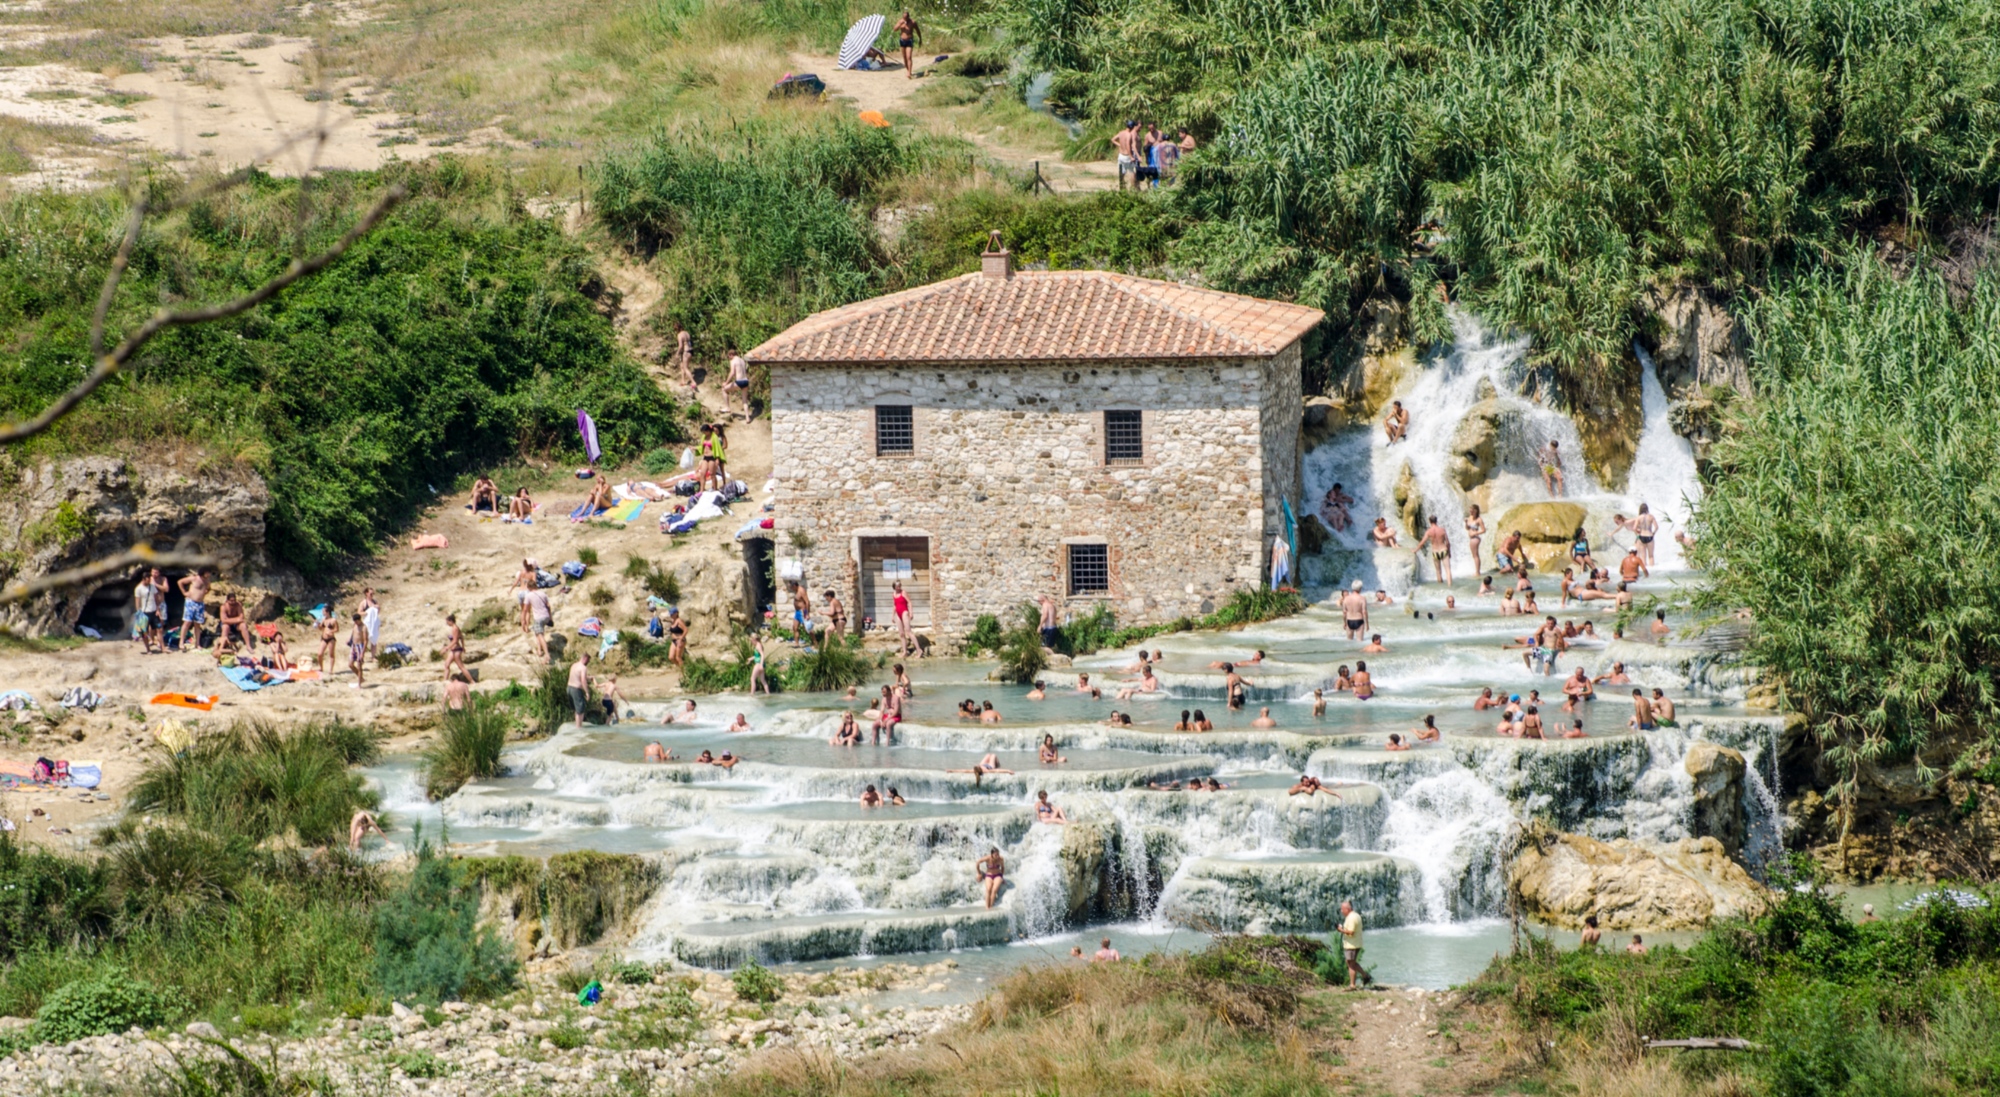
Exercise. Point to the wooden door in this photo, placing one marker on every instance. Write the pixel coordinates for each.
(883, 561)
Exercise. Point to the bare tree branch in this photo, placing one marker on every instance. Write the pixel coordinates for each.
(109, 365)
(141, 555)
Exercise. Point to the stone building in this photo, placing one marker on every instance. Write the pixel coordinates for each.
(1004, 435)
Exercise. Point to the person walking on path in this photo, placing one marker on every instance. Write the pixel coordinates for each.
(684, 358)
(454, 646)
(739, 384)
(357, 649)
(908, 36)
(371, 615)
(1350, 943)
(543, 617)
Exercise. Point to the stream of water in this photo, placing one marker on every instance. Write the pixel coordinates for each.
(776, 859)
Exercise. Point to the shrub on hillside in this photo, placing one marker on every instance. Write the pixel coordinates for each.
(254, 780)
(466, 748)
(111, 1002)
(756, 983)
(429, 945)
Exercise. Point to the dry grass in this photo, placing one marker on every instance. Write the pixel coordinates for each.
(22, 141)
(1158, 1026)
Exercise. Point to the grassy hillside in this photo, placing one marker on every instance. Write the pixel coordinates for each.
(461, 332)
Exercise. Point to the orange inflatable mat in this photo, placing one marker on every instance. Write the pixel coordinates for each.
(184, 700)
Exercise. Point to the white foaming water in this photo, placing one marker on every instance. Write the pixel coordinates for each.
(1453, 827)
(1443, 390)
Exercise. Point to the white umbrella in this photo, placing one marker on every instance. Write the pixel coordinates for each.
(860, 36)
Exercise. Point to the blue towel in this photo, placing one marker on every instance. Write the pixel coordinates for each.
(85, 776)
(246, 677)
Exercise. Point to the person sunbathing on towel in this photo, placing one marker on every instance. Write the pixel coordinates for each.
(600, 498)
(485, 496)
(521, 506)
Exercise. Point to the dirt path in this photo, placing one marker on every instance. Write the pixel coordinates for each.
(1416, 1043)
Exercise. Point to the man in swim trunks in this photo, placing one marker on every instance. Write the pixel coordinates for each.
(1645, 527)
(1663, 709)
(1354, 611)
(1397, 423)
(542, 617)
(194, 610)
(1642, 713)
(1509, 556)
(908, 34)
(739, 384)
(1552, 470)
(1048, 626)
(1438, 544)
(1126, 141)
(1578, 687)
(1631, 566)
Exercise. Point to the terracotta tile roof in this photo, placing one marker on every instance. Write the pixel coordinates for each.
(1042, 316)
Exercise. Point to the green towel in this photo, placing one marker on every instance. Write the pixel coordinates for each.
(627, 510)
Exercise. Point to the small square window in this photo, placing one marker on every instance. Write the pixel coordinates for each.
(1089, 569)
(1124, 438)
(895, 431)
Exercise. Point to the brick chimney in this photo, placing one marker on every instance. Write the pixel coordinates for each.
(996, 261)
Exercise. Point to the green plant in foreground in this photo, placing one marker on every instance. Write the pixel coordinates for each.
(835, 663)
(466, 748)
(429, 945)
(112, 1002)
(1022, 657)
(756, 983)
(256, 780)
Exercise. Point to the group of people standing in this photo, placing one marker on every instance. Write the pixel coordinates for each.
(1148, 155)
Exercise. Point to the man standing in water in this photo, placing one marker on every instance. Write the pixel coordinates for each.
(1552, 469)
(1438, 543)
(1354, 611)
(1350, 943)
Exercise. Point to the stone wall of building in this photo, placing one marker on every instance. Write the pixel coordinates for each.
(1009, 467)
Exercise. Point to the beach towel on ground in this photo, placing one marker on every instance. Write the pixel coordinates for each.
(573, 569)
(174, 735)
(305, 676)
(249, 679)
(583, 513)
(399, 648)
(609, 641)
(85, 774)
(430, 541)
(547, 578)
(626, 511)
(591, 627)
(16, 699)
(185, 700)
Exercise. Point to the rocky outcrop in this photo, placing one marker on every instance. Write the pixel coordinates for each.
(63, 513)
(1082, 860)
(1694, 340)
(1718, 794)
(1409, 497)
(1374, 356)
(1546, 531)
(1563, 878)
(1475, 444)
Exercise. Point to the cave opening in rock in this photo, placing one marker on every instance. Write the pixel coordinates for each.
(109, 607)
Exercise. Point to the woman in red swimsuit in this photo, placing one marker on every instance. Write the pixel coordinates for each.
(903, 620)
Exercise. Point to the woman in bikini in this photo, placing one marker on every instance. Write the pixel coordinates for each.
(849, 734)
(1202, 722)
(522, 506)
(1531, 724)
(677, 639)
(1184, 725)
(992, 874)
(1048, 754)
(329, 635)
(454, 646)
(1364, 683)
(908, 34)
(896, 798)
(279, 661)
(721, 457)
(1475, 529)
(1047, 812)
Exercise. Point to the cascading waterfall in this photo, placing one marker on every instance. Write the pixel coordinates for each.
(1452, 826)
(1663, 468)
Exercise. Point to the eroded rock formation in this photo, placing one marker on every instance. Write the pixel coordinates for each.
(1563, 878)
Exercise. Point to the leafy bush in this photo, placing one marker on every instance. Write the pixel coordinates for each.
(568, 1037)
(661, 461)
(461, 332)
(756, 983)
(1861, 474)
(632, 972)
(467, 748)
(254, 780)
(1022, 657)
(111, 1002)
(837, 662)
(549, 705)
(585, 893)
(703, 675)
(429, 945)
(985, 635)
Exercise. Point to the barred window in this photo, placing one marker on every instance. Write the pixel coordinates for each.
(1124, 437)
(894, 430)
(1089, 569)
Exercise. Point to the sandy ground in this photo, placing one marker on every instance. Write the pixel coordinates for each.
(229, 101)
(890, 90)
(1408, 1042)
